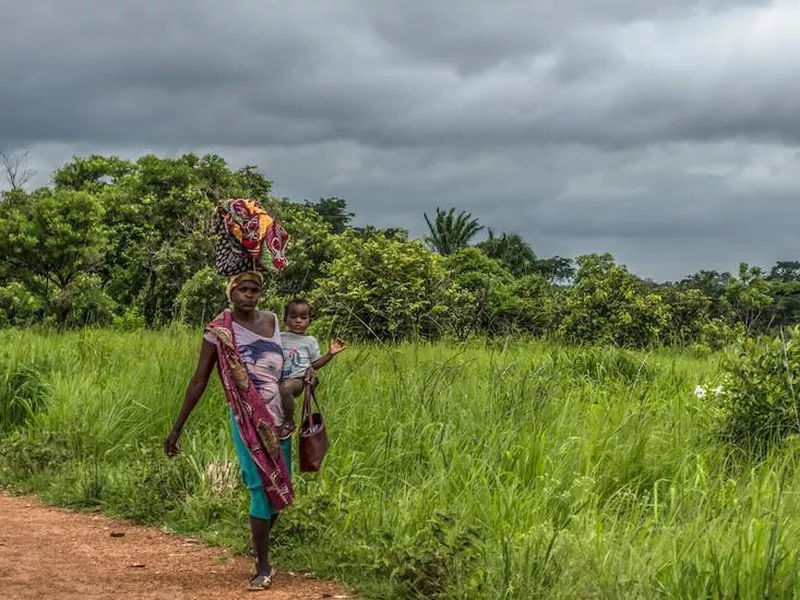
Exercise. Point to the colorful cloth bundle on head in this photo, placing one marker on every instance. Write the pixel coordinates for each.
(249, 239)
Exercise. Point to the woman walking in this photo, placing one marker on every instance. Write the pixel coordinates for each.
(245, 344)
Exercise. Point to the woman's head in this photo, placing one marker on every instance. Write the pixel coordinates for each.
(244, 290)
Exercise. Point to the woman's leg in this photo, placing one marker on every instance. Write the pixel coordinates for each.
(262, 516)
(261, 529)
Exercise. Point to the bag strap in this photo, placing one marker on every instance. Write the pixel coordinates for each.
(308, 394)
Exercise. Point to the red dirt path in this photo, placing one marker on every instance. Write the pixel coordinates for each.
(52, 553)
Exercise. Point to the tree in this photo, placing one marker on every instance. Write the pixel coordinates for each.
(310, 250)
(785, 310)
(159, 218)
(398, 234)
(202, 297)
(785, 271)
(748, 296)
(14, 170)
(492, 300)
(712, 284)
(511, 251)
(334, 211)
(50, 236)
(609, 305)
(93, 173)
(384, 289)
(449, 231)
(556, 269)
(54, 240)
(687, 314)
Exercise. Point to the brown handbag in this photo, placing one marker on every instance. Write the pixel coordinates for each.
(312, 434)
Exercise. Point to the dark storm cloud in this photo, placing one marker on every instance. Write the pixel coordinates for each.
(585, 126)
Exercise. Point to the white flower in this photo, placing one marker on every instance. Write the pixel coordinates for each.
(718, 390)
(700, 391)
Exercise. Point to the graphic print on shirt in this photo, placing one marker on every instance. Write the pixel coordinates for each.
(291, 361)
(262, 356)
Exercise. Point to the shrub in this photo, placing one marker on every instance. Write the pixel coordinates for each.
(83, 302)
(18, 306)
(201, 297)
(687, 315)
(759, 394)
(310, 250)
(490, 299)
(385, 289)
(609, 305)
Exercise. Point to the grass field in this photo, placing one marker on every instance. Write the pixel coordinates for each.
(456, 471)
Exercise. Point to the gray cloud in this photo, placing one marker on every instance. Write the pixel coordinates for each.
(666, 136)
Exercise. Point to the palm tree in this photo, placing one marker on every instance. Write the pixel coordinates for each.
(449, 231)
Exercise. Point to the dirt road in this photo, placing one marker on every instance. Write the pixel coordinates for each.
(51, 553)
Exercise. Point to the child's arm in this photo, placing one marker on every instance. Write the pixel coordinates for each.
(337, 346)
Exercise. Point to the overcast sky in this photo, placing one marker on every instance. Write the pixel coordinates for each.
(663, 132)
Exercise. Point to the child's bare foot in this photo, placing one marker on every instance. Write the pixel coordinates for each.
(286, 430)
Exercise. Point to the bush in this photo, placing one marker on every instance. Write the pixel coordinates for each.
(490, 299)
(385, 289)
(759, 393)
(83, 303)
(687, 315)
(311, 247)
(18, 307)
(201, 298)
(609, 305)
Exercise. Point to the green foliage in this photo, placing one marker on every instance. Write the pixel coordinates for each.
(83, 303)
(785, 271)
(522, 470)
(311, 247)
(748, 296)
(334, 212)
(713, 285)
(718, 334)
(92, 174)
(158, 215)
(450, 232)
(438, 559)
(390, 233)
(202, 297)
(127, 242)
(687, 313)
(759, 397)
(490, 299)
(556, 269)
(785, 309)
(51, 236)
(608, 305)
(23, 391)
(18, 306)
(385, 289)
(511, 251)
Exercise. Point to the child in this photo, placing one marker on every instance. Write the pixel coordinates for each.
(300, 351)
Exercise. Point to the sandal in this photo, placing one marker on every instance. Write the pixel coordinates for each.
(261, 582)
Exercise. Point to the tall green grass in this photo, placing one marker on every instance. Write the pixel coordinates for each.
(484, 470)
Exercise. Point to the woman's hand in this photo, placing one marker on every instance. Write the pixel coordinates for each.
(337, 346)
(171, 444)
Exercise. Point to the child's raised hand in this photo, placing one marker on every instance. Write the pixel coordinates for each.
(337, 346)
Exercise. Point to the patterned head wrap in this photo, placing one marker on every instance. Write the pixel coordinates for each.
(236, 280)
(249, 239)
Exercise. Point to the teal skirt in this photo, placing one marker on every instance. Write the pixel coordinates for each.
(260, 508)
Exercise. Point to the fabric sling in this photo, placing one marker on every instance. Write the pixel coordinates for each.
(253, 421)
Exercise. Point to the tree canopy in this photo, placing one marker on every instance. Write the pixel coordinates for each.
(130, 243)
